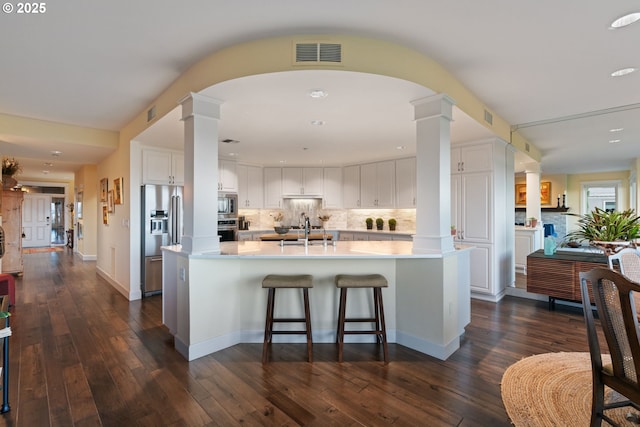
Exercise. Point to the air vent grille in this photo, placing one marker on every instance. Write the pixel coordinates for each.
(488, 117)
(319, 52)
(151, 113)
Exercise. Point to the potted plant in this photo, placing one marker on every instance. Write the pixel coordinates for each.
(392, 224)
(534, 221)
(609, 231)
(453, 230)
(10, 167)
(277, 218)
(369, 222)
(379, 223)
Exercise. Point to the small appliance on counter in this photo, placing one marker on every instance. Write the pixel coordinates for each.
(243, 224)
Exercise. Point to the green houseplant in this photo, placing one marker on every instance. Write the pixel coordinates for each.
(379, 223)
(369, 222)
(392, 224)
(610, 231)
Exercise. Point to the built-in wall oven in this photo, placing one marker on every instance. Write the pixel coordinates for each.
(227, 216)
(228, 229)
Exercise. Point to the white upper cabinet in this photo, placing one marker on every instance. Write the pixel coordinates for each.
(351, 187)
(406, 183)
(476, 158)
(302, 181)
(250, 187)
(377, 184)
(162, 167)
(227, 176)
(273, 188)
(332, 197)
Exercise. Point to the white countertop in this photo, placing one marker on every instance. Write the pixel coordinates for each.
(340, 230)
(341, 250)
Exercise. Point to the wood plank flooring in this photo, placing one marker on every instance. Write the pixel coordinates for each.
(82, 355)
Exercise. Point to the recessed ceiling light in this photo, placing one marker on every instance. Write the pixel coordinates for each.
(623, 72)
(230, 141)
(45, 172)
(318, 93)
(317, 122)
(625, 20)
(56, 153)
(47, 164)
(616, 130)
(283, 161)
(233, 154)
(614, 141)
(400, 147)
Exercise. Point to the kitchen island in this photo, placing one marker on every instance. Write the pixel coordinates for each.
(212, 301)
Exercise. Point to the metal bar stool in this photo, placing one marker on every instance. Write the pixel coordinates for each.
(273, 282)
(375, 281)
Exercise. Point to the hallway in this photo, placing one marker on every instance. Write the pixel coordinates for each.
(81, 354)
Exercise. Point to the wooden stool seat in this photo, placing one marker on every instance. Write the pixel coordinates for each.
(279, 281)
(376, 282)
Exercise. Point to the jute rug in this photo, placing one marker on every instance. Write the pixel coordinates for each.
(40, 250)
(553, 389)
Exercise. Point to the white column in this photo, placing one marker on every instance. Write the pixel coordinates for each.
(532, 173)
(200, 115)
(433, 174)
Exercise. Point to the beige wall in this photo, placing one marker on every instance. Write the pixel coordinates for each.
(558, 187)
(86, 183)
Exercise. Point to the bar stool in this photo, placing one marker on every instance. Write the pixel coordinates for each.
(375, 281)
(278, 281)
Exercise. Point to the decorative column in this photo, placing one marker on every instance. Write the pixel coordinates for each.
(532, 172)
(200, 115)
(433, 174)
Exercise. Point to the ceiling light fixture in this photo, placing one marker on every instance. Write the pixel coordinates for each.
(45, 172)
(317, 122)
(625, 20)
(623, 72)
(616, 130)
(400, 147)
(614, 141)
(56, 153)
(318, 93)
(230, 141)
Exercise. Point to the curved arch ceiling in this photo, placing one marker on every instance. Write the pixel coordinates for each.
(366, 117)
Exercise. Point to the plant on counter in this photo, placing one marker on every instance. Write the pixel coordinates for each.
(379, 223)
(610, 231)
(392, 224)
(369, 222)
(277, 218)
(453, 230)
(534, 221)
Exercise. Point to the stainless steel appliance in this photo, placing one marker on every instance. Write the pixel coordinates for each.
(161, 226)
(227, 205)
(228, 229)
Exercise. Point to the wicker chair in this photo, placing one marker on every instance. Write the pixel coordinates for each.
(612, 292)
(628, 262)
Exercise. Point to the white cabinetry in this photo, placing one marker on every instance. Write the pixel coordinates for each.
(406, 183)
(227, 176)
(377, 184)
(351, 187)
(250, 187)
(302, 181)
(272, 188)
(527, 240)
(332, 196)
(162, 167)
(483, 212)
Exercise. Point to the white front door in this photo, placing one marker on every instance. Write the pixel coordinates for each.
(36, 221)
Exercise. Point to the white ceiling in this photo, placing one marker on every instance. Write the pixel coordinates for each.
(545, 64)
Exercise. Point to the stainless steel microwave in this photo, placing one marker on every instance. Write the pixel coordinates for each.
(227, 205)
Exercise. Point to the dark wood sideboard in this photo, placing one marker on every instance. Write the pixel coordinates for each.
(558, 275)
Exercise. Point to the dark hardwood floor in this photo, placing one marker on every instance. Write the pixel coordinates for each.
(82, 355)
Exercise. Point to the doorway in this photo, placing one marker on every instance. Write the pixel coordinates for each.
(57, 221)
(36, 220)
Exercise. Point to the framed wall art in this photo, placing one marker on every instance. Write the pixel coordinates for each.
(110, 203)
(118, 191)
(545, 193)
(104, 188)
(105, 215)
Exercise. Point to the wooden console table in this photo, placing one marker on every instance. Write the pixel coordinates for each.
(558, 275)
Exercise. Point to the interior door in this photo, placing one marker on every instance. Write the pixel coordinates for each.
(36, 221)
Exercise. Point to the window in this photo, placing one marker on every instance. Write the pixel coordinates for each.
(603, 195)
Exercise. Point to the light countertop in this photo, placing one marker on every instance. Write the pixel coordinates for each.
(341, 250)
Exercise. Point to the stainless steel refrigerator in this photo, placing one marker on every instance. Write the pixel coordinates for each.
(161, 226)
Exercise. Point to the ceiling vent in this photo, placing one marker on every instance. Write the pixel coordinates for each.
(488, 117)
(318, 52)
(151, 113)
